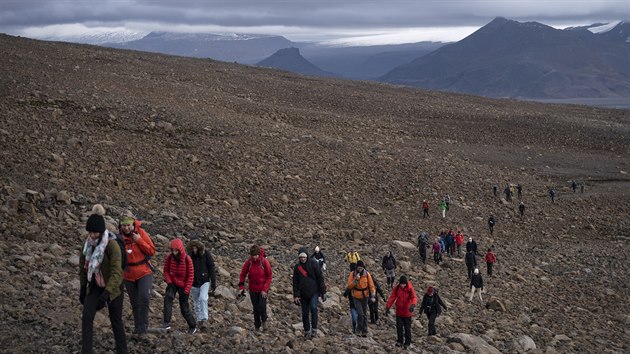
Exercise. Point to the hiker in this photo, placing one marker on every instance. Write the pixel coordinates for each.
(258, 271)
(352, 258)
(308, 286)
(521, 209)
(100, 277)
(432, 306)
(491, 223)
(437, 256)
(423, 238)
(450, 243)
(442, 238)
(353, 312)
(318, 256)
(373, 306)
(471, 245)
(495, 190)
(519, 191)
(447, 201)
(476, 284)
(363, 290)
(459, 241)
(574, 185)
(425, 208)
(389, 267)
(508, 193)
(138, 275)
(179, 274)
(471, 262)
(490, 259)
(552, 195)
(442, 208)
(406, 300)
(205, 279)
(581, 187)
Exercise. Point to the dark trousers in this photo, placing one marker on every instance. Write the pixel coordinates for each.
(259, 303)
(425, 213)
(309, 306)
(423, 253)
(471, 270)
(115, 318)
(403, 324)
(139, 292)
(437, 257)
(432, 316)
(491, 227)
(171, 291)
(360, 305)
(489, 268)
(373, 311)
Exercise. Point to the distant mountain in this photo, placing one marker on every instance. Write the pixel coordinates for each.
(242, 48)
(617, 31)
(289, 59)
(523, 60)
(97, 38)
(366, 62)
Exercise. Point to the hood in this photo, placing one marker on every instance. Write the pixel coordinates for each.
(178, 245)
(196, 243)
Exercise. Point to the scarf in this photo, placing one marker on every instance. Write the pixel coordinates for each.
(94, 251)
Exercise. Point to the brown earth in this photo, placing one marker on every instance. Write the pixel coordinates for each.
(239, 154)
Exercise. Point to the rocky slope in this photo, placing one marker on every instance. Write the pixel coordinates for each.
(238, 155)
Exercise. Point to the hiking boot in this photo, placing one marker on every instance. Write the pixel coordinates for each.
(307, 335)
(314, 333)
(263, 326)
(166, 326)
(192, 330)
(203, 324)
(398, 344)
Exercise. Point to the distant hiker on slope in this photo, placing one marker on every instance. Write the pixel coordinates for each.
(404, 296)
(308, 286)
(437, 255)
(552, 195)
(258, 271)
(425, 208)
(100, 274)
(423, 239)
(319, 257)
(471, 245)
(459, 241)
(389, 267)
(476, 284)
(352, 258)
(490, 259)
(519, 191)
(363, 290)
(442, 208)
(205, 279)
(138, 276)
(179, 274)
(447, 201)
(471, 262)
(491, 222)
(521, 209)
(373, 306)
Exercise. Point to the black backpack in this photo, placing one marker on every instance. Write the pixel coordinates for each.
(123, 251)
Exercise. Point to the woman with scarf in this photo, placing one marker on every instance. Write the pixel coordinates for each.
(100, 271)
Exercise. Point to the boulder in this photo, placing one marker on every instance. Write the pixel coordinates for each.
(473, 343)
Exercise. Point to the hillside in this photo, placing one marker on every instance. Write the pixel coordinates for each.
(289, 59)
(239, 154)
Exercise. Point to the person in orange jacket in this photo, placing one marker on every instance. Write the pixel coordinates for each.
(406, 300)
(138, 275)
(362, 290)
(179, 274)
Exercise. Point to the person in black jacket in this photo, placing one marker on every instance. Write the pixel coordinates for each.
(476, 283)
(389, 267)
(373, 306)
(308, 285)
(432, 306)
(471, 245)
(471, 263)
(205, 279)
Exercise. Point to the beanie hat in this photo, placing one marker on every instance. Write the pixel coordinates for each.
(403, 279)
(302, 252)
(470, 239)
(316, 248)
(127, 218)
(254, 250)
(360, 264)
(96, 221)
(430, 291)
(476, 270)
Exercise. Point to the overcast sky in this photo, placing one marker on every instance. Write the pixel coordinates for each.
(337, 21)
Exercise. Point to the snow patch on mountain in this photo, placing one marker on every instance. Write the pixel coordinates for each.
(96, 38)
(604, 28)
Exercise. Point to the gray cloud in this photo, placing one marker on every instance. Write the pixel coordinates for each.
(312, 14)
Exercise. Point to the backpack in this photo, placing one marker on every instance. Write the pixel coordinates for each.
(123, 251)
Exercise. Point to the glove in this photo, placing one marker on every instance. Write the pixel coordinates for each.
(387, 311)
(296, 300)
(324, 266)
(263, 294)
(82, 295)
(242, 293)
(372, 299)
(103, 299)
(325, 297)
(412, 307)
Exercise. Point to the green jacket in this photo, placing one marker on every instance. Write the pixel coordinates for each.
(111, 268)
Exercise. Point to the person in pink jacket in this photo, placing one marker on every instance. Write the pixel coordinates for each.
(178, 274)
(258, 270)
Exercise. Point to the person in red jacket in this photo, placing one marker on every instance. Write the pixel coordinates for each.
(406, 300)
(425, 208)
(459, 241)
(179, 273)
(490, 259)
(138, 275)
(258, 270)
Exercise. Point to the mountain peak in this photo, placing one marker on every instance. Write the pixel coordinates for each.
(290, 59)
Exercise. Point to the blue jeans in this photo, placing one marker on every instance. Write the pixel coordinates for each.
(354, 315)
(309, 305)
(200, 301)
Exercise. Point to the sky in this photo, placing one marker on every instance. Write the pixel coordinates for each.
(355, 22)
